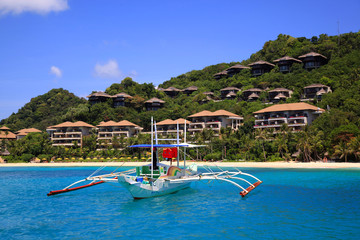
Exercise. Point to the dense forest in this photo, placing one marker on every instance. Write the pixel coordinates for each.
(335, 133)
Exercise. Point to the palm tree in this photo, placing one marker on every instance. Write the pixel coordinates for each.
(281, 143)
(248, 145)
(304, 144)
(342, 149)
(354, 146)
(262, 135)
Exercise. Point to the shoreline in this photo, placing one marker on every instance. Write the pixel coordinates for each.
(323, 165)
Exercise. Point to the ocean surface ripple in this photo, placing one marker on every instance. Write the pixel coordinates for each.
(290, 204)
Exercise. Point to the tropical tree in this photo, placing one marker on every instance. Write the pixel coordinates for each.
(354, 147)
(342, 150)
(262, 135)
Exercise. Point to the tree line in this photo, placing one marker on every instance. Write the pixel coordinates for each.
(333, 134)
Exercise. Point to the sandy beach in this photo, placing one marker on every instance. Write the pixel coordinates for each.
(220, 164)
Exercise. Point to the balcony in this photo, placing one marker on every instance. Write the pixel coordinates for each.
(66, 138)
(278, 117)
(297, 121)
(215, 124)
(63, 144)
(196, 126)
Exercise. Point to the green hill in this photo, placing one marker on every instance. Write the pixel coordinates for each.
(341, 73)
(44, 110)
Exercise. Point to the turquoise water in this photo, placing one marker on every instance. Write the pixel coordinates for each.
(290, 204)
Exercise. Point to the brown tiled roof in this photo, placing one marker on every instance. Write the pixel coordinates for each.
(171, 89)
(123, 123)
(237, 66)
(279, 96)
(192, 88)
(312, 54)
(181, 121)
(253, 95)
(124, 95)
(4, 128)
(280, 90)
(172, 122)
(229, 89)
(154, 100)
(24, 132)
(128, 123)
(221, 73)
(253, 90)
(221, 112)
(320, 92)
(224, 113)
(261, 62)
(231, 94)
(107, 124)
(165, 122)
(315, 85)
(287, 58)
(99, 94)
(201, 114)
(289, 107)
(75, 124)
(9, 135)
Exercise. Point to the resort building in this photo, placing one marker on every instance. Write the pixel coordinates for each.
(260, 67)
(98, 97)
(6, 134)
(189, 90)
(313, 60)
(209, 96)
(154, 104)
(121, 99)
(107, 131)
(315, 91)
(229, 92)
(23, 132)
(251, 94)
(69, 133)
(295, 115)
(169, 126)
(285, 63)
(279, 94)
(214, 120)
(231, 71)
(219, 75)
(171, 91)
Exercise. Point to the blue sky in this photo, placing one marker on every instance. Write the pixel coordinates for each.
(86, 45)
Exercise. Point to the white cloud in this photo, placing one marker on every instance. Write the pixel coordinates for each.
(107, 70)
(56, 71)
(37, 6)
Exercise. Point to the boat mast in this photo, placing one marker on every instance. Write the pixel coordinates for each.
(152, 147)
(177, 141)
(185, 142)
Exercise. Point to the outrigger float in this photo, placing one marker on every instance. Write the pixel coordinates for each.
(158, 179)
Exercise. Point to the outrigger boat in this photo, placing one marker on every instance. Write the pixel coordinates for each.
(158, 179)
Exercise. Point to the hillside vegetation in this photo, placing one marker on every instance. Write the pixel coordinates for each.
(338, 126)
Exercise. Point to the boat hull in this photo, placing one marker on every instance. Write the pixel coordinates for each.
(159, 188)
